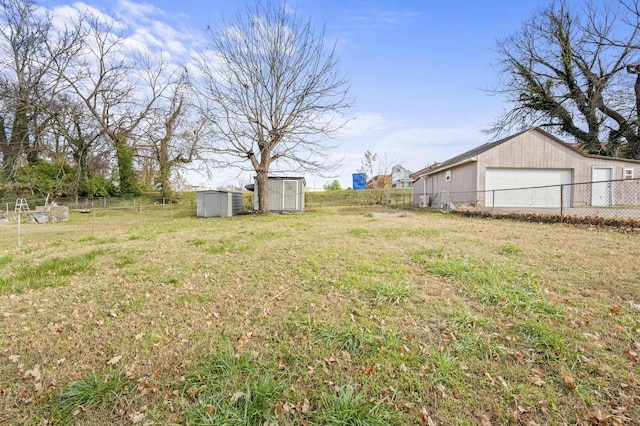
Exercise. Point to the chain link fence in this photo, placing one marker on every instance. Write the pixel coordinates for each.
(29, 222)
(614, 199)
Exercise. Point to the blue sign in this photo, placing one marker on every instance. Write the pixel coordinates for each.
(359, 181)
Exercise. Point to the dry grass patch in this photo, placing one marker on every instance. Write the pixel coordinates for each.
(326, 317)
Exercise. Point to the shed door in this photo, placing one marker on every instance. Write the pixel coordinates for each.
(601, 194)
(499, 180)
(290, 194)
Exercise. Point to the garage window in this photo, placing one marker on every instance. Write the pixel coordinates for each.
(627, 174)
(447, 176)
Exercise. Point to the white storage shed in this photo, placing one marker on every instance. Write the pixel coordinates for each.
(218, 203)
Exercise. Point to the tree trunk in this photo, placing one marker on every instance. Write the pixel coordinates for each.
(4, 146)
(18, 142)
(263, 192)
(165, 182)
(124, 154)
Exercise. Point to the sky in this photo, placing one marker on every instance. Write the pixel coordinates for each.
(419, 70)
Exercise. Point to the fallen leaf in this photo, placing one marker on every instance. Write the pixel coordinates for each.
(114, 360)
(626, 399)
(34, 372)
(136, 417)
(631, 355)
(537, 371)
(568, 379)
(236, 396)
(14, 358)
(489, 378)
(306, 406)
(485, 420)
(615, 309)
(425, 418)
(369, 370)
(536, 380)
(517, 355)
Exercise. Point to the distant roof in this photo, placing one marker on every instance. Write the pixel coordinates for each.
(416, 175)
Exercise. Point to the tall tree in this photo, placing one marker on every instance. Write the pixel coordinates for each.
(29, 45)
(119, 88)
(566, 69)
(76, 135)
(275, 93)
(174, 132)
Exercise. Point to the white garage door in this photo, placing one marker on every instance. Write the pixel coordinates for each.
(540, 187)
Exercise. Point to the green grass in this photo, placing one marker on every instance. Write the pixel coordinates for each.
(230, 389)
(350, 408)
(329, 317)
(353, 340)
(86, 398)
(510, 249)
(52, 272)
(496, 284)
(386, 293)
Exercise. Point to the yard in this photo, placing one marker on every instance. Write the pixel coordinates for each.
(326, 317)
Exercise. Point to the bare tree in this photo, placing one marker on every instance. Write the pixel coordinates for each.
(119, 88)
(76, 135)
(274, 92)
(566, 69)
(377, 170)
(29, 46)
(174, 132)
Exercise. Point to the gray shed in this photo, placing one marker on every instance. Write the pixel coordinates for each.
(218, 203)
(286, 194)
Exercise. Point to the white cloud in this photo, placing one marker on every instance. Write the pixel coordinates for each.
(364, 123)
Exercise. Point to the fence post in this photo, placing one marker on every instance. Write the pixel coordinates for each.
(19, 235)
(561, 202)
(493, 201)
(93, 226)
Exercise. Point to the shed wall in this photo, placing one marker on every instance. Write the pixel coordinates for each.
(218, 203)
(285, 194)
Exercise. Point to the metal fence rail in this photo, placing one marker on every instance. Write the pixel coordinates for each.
(19, 229)
(607, 199)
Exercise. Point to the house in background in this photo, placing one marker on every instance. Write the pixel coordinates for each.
(379, 182)
(400, 177)
(533, 158)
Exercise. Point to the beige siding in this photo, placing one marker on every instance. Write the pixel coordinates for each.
(535, 150)
(461, 188)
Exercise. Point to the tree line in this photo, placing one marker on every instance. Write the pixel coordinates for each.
(85, 111)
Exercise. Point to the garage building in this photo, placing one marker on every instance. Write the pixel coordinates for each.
(488, 175)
